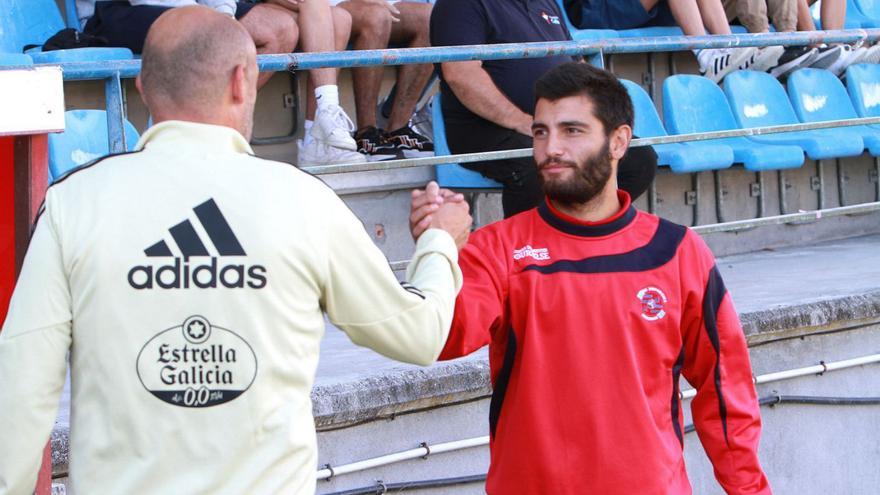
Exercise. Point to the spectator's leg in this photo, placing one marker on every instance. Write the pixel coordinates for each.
(783, 13)
(804, 19)
(273, 30)
(713, 16)
(636, 170)
(687, 16)
(752, 14)
(833, 14)
(322, 28)
(371, 30)
(518, 176)
(412, 32)
(341, 32)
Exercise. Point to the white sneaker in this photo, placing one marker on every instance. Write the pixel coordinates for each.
(872, 55)
(849, 56)
(718, 62)
(764, 59)
(318, 152)
(333, 127)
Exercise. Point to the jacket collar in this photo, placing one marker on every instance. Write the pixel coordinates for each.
(570, 225)
(182, 137)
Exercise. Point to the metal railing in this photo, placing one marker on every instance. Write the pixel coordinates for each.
(112, 72)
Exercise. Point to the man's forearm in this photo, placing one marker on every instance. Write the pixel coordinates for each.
(475, 89)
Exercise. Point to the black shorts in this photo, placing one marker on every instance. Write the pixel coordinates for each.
(125, 25)
(618, 14)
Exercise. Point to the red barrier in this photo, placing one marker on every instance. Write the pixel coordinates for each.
(24, 168)
(7, 223)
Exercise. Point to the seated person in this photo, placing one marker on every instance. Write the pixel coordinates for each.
(273, 28)
(832, 13)
(488, 105)
(375, 25)
(694, 17)
(779, 61)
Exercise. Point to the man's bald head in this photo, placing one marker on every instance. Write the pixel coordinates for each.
(189, 60)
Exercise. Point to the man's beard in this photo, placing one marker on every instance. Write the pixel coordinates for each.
(586, 183)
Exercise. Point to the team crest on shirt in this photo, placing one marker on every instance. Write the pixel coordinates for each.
(527, 251)
(550, 19)
(653, 301)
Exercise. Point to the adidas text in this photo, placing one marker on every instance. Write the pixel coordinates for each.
(182, 275)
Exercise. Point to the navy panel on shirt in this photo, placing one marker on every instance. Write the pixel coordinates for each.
(470, 22)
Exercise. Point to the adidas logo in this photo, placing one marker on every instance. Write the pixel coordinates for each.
(181, 274)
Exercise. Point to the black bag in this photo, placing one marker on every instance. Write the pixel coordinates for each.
(70, 38)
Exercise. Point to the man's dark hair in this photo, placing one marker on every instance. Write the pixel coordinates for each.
(610, 99)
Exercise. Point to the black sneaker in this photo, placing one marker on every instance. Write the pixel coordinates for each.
(793, 58)
(371, 142)
(826, 56)
(410, 142)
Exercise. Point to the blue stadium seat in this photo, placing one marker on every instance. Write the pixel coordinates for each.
(855, 16)
(11, 59)
(452, 174)
(584, 34)
(694, 104)
(863, 84)
(868, 8)
(818, 95)
(647, 32)
(758, 100)
(681, 158)
(83, 140)
(32, 22)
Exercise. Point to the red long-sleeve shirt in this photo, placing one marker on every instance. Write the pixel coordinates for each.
(590, 326)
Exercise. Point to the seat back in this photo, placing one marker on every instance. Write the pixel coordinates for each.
(647, 122)
(856, 17)
(453, 174)
(695, 104)
(757, 99)
(863, 85)
(871, 8)
(83, 140)
(28, 22)
(818, 95)
(9, 59)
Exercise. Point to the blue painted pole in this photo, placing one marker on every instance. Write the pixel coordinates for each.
(115, 114)
(360, 58)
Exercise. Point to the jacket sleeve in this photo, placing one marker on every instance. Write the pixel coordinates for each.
(404, 321)
(725, 410)
(34, 343)
(480, 307)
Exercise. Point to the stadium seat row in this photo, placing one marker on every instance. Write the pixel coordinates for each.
(694, 104)
(32, 22)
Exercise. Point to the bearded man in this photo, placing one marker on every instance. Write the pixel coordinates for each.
(592, 311)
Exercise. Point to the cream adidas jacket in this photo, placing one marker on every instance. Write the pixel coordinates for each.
(188, 281)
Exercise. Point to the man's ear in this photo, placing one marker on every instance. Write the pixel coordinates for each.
(619, 140)
(238, 84)
(139, 85)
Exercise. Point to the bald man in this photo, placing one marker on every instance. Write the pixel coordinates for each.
(186, 282)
